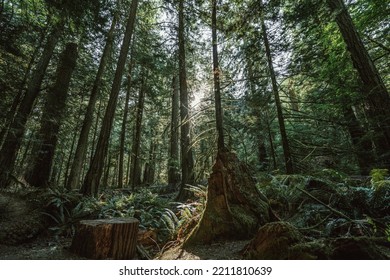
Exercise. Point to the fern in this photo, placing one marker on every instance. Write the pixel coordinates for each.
(66, 208)
(387, 231)
(379, 178)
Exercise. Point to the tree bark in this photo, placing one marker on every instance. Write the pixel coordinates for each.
(286, 147)
(121, 176)
(10, 116)
(217, 75)
(262, 154)
(235, 208)
(376, 93)
(82, 144)
(106, 239)
(362, 145)
(135, 175)
(18, 98)
(271, 142)
(173, 166)
(92, 179)
(150, 165)
(106, 171)
(13, 139)
(69, 159)
(187, 161)
(52, 118)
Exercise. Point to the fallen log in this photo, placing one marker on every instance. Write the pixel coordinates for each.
(106, 239)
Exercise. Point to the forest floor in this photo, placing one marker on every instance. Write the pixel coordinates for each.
(18, 214)
(230, 250)
(319, 219)
(42, 248)
(48, 248)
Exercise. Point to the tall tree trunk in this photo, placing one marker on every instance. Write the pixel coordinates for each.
(217, 72)
(135, 174)
(82, 144)
(52, 118)
(173, 165)
(114, 173)
(262, 154)
(107, 169)
(150, 165)
(73, 145)
(18, 98)
(376, 93)
(26, 149)
(13, 139)
(10, 116)
(262, 151)
(271, 142)
(95, 132)
(121, 176)
(363, 147)
(92, 179)
(128, 168)
(69, 160)
(187, 161)
(286, 147)
(56, 173)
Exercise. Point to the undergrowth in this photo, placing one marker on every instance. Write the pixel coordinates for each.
(346, 205)
(169, 220)
(152, 211)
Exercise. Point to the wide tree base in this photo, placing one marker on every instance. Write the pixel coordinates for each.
(106, 239)
(272, 242)
(235, 208)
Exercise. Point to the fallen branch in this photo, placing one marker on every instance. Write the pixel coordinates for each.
(316, 225)
(326, 205)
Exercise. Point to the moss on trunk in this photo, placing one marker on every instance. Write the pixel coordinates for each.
(235, 208)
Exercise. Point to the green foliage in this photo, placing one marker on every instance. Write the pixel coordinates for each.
(188, 210)
(364, 206)
(379, 174)
(149, 208)
(371, 222)
(332, 174)
(379, 178)
(189, 213)
(387, 231)
(65, 209)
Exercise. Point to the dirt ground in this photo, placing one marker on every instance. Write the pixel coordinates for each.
(45, 248)
(217, 251)
(39, 249)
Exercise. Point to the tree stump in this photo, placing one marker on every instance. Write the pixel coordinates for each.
(235, 209)
(106, 239)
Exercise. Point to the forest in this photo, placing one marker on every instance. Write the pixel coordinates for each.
(194, 129)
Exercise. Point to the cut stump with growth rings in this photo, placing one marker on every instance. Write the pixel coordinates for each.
(106, 239)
